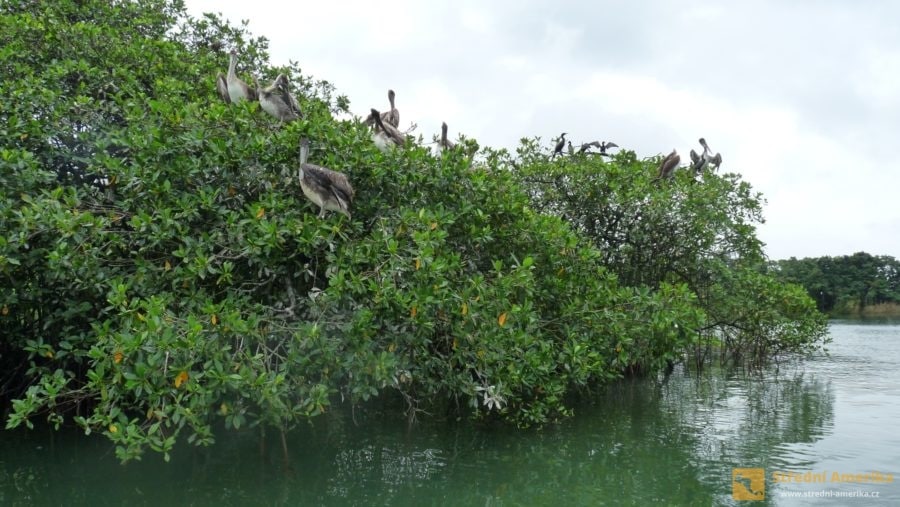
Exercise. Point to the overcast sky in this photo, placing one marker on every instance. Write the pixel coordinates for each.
(801, 97)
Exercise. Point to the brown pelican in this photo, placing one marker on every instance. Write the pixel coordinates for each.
(391, 117)
(237, 89)
(278, 101)
(385, 135)
(222, 88)
(708, 157)
(559, 145)
(329, 190)
(668, 165)
(701, 161)
(444, 143)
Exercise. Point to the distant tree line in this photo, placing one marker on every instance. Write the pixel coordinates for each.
(847, 283)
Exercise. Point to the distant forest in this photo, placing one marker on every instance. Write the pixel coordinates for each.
(858, 283)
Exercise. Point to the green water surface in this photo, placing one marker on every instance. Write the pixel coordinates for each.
(661, 441)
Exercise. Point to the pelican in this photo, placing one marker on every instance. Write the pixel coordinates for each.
(708, 157)
(385, 135)
(222, 88)
(697, 162)
(329, 190)
(278, 101)
(701, 161)
(237, 89)
(391, 117)
(668, 165)
(444, 143)
(559, 145)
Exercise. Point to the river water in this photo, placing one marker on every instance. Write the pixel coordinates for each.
(670, 441)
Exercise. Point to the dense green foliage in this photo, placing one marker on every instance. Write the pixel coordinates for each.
(845, 284)
(198, 285)
(695, 231)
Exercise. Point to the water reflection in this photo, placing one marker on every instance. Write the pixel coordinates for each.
(669, 440)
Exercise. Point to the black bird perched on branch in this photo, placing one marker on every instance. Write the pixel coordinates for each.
(559, 145)
(605, 146)
(330, 190)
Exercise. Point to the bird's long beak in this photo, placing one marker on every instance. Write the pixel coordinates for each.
(304, 150)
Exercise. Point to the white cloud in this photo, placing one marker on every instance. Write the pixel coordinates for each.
(877, 79)
(476, 19)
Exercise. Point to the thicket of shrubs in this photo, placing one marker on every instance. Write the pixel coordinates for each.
(161, 270)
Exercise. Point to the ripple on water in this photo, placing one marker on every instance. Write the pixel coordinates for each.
(861, 373)
(647, 441)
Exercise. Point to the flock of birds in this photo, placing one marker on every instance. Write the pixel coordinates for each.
(601, 145)
(332, 191)
(328, 189)
(699, 161)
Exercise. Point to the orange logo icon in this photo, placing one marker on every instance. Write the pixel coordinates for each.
(748, 484)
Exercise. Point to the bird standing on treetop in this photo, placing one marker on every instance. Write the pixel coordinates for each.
(237, 89)
(391, 117)
(384, 134)
(278, 101)
(605, 146)
(570, 149)
(330, 190)
(701, 161)
(444, 143)
(559, 145)
(668, 165)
